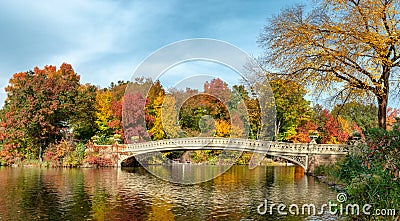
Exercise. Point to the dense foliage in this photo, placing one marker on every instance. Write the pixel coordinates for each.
(372, 172)
(42, 107)
(47, 109)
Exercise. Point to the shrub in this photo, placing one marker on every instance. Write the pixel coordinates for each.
(65, 154)
(372, 174)
(103, 140)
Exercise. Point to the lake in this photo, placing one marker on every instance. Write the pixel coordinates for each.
(135, 194)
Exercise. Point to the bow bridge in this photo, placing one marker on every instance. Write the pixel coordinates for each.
(307, 155)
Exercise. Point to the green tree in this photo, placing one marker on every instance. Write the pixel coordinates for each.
(292, 109)
(84, 118)
(253, 120)
(364, 115)
(199, 106)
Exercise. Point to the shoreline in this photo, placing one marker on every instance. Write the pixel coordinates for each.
(339, 187)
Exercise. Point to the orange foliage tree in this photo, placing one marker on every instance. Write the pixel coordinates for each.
(40, 109)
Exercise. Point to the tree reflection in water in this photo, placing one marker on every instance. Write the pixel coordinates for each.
(134, 194)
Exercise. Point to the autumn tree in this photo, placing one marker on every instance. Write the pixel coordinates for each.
(169, 115)
(133, 114)
(157, 130)
(140, 106)
(181, 96)
(218, 95)
(154, 98)
(104, 113)
(392, 117)
(364, 115)
(40, 109)
(218, 88)
(303, 133)
(331, 131)
(117, 93)
(349, 44)
(109, 109)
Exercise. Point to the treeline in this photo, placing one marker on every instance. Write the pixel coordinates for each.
(49, 113)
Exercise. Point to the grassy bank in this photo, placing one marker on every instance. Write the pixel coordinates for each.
(370, 174)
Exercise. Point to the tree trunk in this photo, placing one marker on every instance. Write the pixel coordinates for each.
(277, 129)
(382, 108)
(40, 153)
(383, 97)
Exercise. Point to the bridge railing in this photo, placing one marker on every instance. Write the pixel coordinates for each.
(237, 143)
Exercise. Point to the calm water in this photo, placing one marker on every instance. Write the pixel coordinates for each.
(134, 194)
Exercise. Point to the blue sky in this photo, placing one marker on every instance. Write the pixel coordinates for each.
(105, 40)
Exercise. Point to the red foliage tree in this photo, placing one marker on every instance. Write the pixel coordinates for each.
(39, 107)
(133, 114)
(332, 132)
(304, 132)
(219, 89)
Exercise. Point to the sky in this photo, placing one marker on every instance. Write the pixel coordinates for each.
(105, 40)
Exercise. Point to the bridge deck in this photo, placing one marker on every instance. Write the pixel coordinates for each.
(198, 143)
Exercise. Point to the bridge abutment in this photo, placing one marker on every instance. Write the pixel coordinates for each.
(315, 160)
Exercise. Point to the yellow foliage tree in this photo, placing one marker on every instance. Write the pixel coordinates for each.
(345, 125)
(346, 43)
(222, 128)
(169, 115)
(103, 107)
(157, 131)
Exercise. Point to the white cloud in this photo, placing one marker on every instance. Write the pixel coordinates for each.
(194, 74)
(105, 40)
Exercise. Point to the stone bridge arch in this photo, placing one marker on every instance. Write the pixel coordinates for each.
(298, 160)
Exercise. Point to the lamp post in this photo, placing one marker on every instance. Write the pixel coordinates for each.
(355, 138)
(313, 138)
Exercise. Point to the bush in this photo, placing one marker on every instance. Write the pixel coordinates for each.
(321, 170)
(372, 175)
(349, 168)
(65, 154)
(103, 140)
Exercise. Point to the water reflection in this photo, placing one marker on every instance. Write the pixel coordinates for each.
(134, 194)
